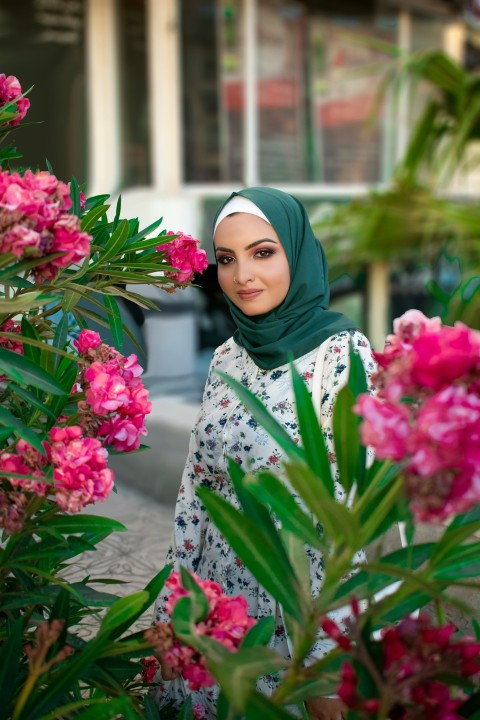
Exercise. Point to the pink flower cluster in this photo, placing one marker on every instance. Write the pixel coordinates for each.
(184, 254)
(8, 343)
(80, 474)
(34, 222)
(149, 668)
(416, 668)
(116, 401)
(80, 471)
(427, 413)
(10, 89)
(227, 622)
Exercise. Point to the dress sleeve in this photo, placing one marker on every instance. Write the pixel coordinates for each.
(335, 377)
(191, 519)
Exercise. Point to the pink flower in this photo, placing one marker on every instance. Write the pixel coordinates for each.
(183, 253)
(10, 89)
(81, 475)
(440, 358)
(427, 412)
(385, 426)
(150, 667)
(13, 463)
(87, 339)
(227, 622)
(123, 433)
(107, 390)
(12, 511)
(11, 327)
(419, 671)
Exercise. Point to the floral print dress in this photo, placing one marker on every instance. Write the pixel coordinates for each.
(224, 429)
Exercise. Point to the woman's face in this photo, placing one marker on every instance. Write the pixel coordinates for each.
(253, 269)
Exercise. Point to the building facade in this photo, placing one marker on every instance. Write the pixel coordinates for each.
(175, 103)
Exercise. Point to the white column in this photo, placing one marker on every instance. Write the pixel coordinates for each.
(104, 166)
(251, 104)
(379, 272)
(163, 28)
(377, 303)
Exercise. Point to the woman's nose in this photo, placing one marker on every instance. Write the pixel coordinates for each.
(243, 273)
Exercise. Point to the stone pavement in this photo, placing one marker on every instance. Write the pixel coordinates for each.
(134, 556)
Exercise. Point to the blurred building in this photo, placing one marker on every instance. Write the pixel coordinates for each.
(175, 103)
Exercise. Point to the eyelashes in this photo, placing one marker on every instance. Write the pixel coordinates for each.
(261, 254)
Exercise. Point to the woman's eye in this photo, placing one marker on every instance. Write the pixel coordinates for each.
(264, 252)
(224, 260)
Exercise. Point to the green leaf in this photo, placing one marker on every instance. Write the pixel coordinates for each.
(7, 419)
(186, 712)
(151, 708)
(151, 591)
(97, 709)
(92, 216)
(366, 583)
(260, 633)
(311, 433)
(253, 509)
(64, 677)
(114, 245)
(250, 542)
(115, 320)
(75, 195)
(33, 400)
(122, 611)
(71, 298)
(266, 420)
(270, 489)
(238, 672)
(30, 352)
(259, 706)
(23, 371)
(26, 301)
(347, 441)
(337, 521)
(60, 337)
(11, 652)
(143, 233)
(199, 601)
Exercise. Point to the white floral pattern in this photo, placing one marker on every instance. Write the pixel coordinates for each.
(224, 429)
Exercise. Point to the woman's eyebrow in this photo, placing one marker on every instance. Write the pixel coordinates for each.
(249, 246)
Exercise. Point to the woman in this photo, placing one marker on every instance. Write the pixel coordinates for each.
(273, 273)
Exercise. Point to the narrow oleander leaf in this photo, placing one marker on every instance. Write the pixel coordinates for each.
(11, 652)
(266, 420)
(313, 440)
(271, 490)
(122, 610)
(260, 633)
(90, 219)
(265, 559)
(115, 320)
(346, 438)
(8, 420)
(238, 672)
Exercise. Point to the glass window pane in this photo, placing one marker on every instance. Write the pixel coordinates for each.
(42, 43)
(318, 75)
(134, 93)
(213, 90)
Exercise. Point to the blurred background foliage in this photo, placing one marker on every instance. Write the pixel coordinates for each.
(422, 216)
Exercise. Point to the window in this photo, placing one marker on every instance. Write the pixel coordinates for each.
(42, 43)
(310, 78)
(134, 116)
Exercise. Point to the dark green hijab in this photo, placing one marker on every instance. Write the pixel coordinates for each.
(302, 321)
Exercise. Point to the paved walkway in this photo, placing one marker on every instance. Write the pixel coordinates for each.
(134, 556)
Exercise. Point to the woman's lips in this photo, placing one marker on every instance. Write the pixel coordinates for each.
(249, 294)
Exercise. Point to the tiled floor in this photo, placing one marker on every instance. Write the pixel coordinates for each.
(134, 556)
